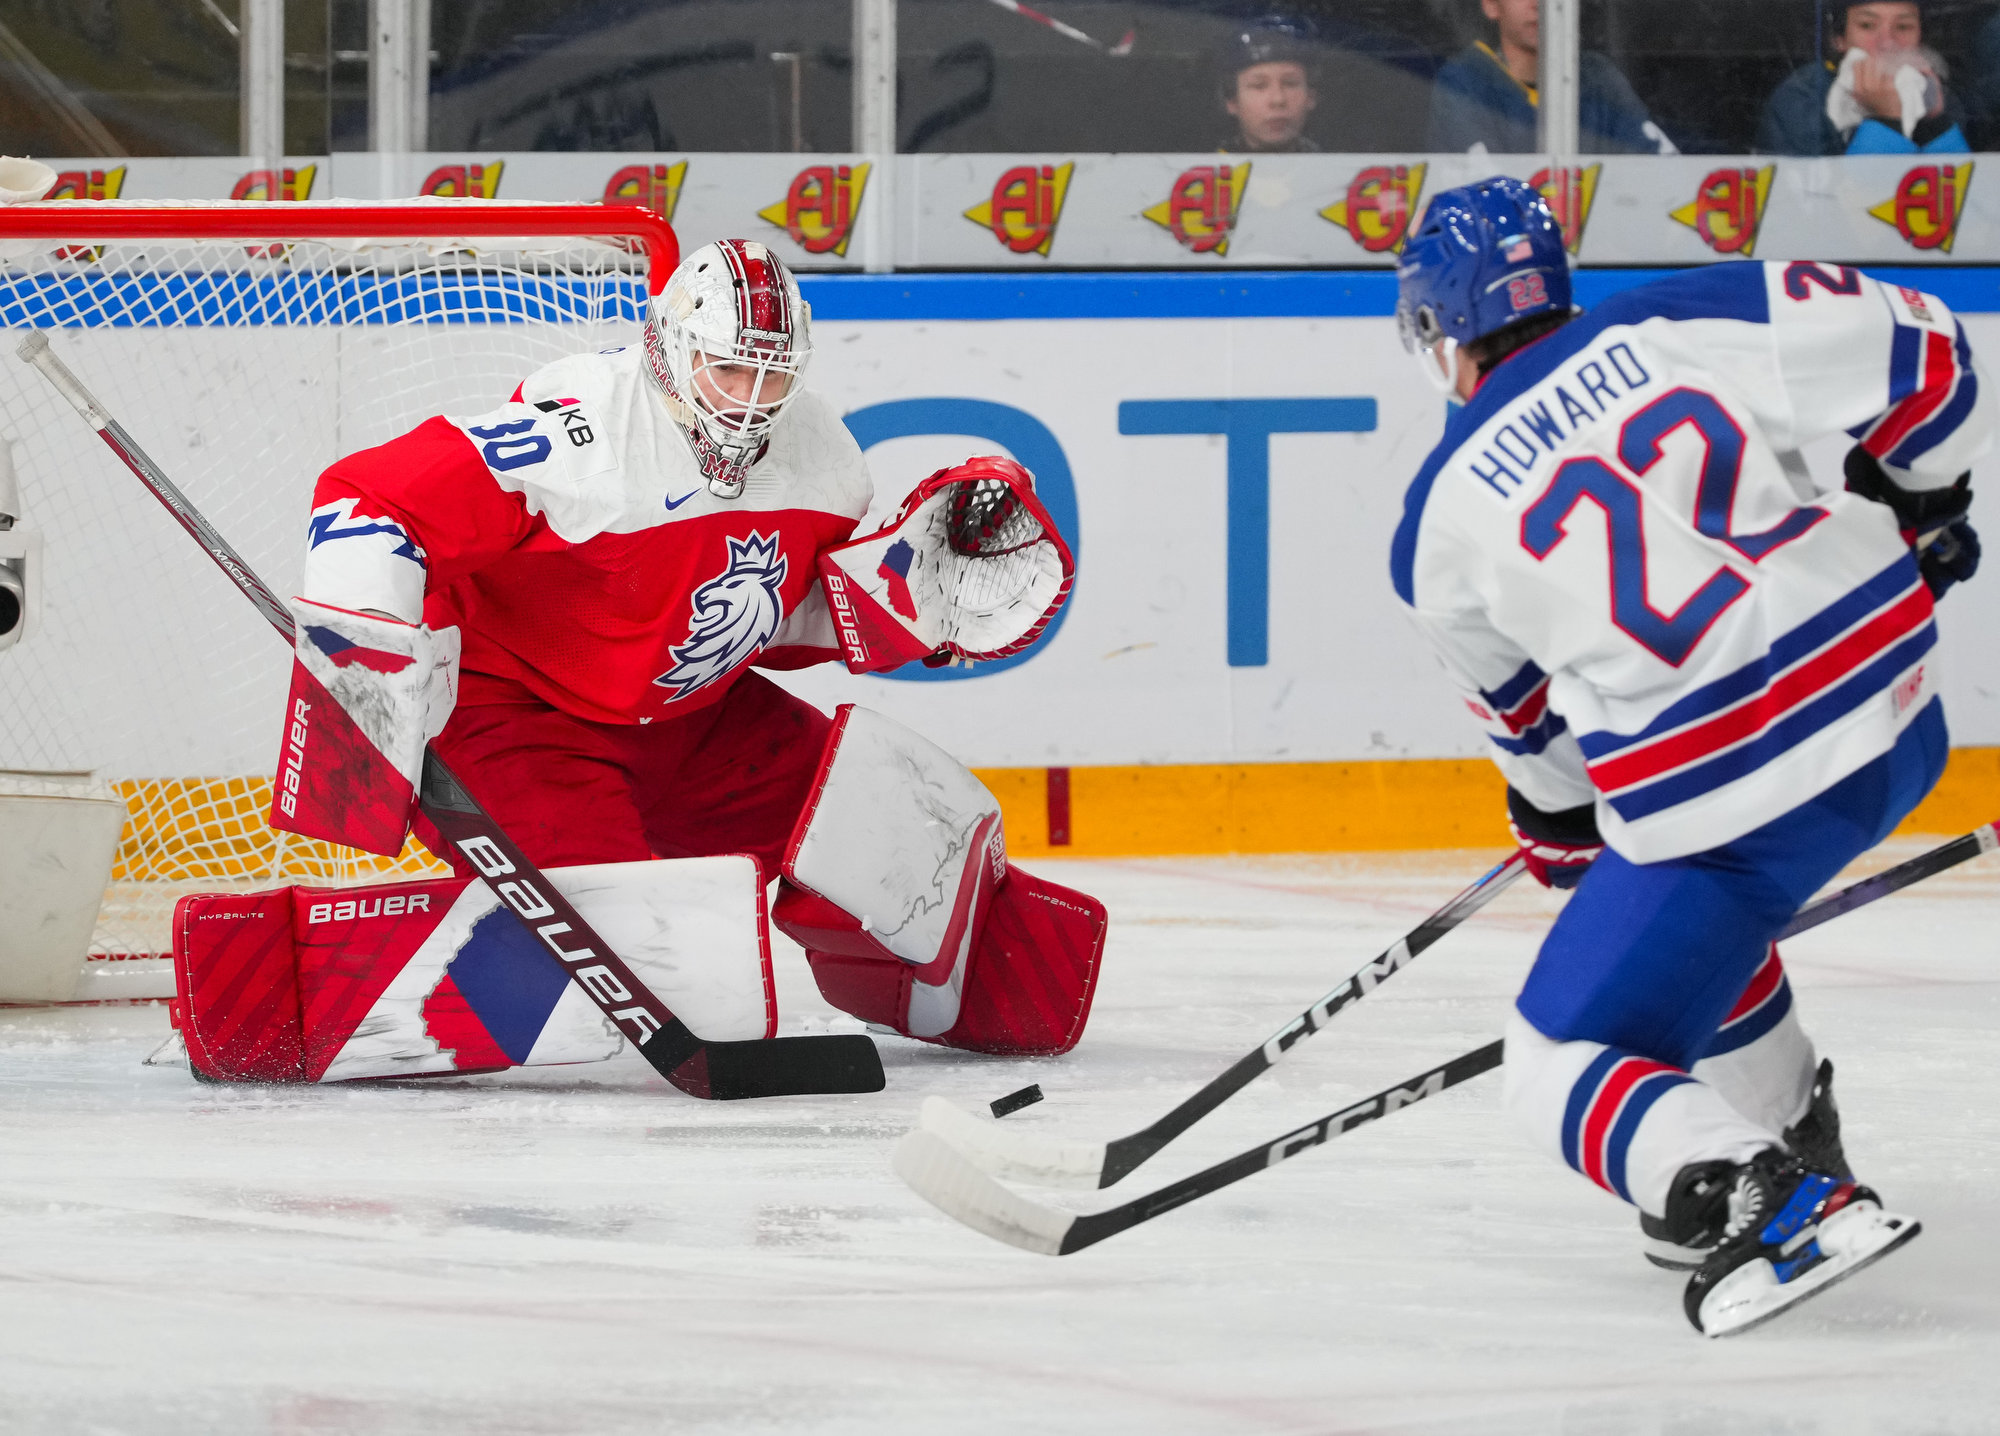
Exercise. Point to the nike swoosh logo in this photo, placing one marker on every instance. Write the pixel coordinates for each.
(676, 503)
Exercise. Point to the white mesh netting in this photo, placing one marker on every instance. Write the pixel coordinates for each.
(244, 369)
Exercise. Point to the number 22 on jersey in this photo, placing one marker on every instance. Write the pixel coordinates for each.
(1670, 637)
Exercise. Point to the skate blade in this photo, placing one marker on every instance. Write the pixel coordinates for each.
(1671, 1256)
(171, 1053)
(1868, 1235)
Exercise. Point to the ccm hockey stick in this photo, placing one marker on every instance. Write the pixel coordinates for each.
(779, 1067)
(1051, 1162)
(1890, 880)
(944, 1176)
(939, 1173)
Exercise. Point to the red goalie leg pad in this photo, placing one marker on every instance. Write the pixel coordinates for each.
(854, 972)
(1029, 981)
(236, 986)
(1034, 971)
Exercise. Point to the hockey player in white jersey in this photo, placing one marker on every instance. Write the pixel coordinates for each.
(1678, 639)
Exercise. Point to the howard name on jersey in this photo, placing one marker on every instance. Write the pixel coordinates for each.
(571, 537)
(1622, 560)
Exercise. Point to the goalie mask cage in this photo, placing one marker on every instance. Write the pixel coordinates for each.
(246, 347)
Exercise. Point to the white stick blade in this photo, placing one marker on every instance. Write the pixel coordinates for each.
(936, 1171)
(1011, 1152)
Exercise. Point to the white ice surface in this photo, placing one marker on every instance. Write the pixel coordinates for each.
(584, 1250)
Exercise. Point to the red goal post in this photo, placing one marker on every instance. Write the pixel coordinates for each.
(246, 345)
(425, 219)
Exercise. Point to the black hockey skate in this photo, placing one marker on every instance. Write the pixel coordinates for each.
(1814, 1139)
(1781, 1232)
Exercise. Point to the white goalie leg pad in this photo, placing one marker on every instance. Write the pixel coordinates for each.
(407, 979)
(694, 930)
(899, 834)
(367, 694)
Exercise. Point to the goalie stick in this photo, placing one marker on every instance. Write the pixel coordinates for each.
(775, 1067)
(1027, 1156)
(948, 1179)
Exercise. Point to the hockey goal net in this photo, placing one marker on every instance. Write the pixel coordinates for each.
(245, 346)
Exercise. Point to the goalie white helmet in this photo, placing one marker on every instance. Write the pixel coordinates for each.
(727, 340)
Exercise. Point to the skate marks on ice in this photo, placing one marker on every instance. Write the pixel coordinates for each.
(585, 1250)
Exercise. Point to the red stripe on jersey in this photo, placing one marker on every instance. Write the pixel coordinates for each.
(1940, 378)
(1763, 983)
(1604, 1108)
(1880, 633)
(1528, 712)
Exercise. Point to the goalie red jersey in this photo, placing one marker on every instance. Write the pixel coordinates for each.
(565, 596)
(572, 539)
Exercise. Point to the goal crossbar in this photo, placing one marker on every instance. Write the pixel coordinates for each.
(107, 220)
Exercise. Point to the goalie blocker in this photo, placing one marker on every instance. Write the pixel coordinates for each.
(896, 882)
(368, 692)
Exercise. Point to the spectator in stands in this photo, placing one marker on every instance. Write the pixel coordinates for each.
(1982, 85)
(1266, 80)
(1485, 100)
(1880, 93)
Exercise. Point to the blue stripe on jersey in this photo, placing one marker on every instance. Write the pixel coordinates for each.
(1638, 1102)
(1785, 650)
(1730, 290)
(1906, 347)
(1403, 548)
(1580, 1097)
(1737, 1035)
(1936, 430)
(1532, 740)
(1516, 688)
(1790, 731)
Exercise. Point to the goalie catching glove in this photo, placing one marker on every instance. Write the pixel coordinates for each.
(368, 693)
(971, 567)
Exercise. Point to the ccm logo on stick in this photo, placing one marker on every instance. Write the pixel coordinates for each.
(295, 760)
(1352, 990)
(1339, 1122)
(365, 907)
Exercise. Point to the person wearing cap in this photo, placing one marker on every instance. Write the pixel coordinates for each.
(1880, 91)
(1267, 89)
(1485, 99)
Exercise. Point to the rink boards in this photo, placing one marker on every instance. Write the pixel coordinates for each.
(1227, 453)
(1234, 672)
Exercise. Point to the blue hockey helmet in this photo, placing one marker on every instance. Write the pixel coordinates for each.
(1483, 257)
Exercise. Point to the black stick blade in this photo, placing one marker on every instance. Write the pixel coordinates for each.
(792, 1067)
(1028, 1096)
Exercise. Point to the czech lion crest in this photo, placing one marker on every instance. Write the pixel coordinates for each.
(735, 614)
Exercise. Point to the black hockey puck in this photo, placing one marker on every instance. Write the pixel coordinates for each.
(1028, 1096)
